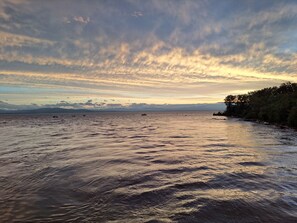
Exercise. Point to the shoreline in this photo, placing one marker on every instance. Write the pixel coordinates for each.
(282, 126)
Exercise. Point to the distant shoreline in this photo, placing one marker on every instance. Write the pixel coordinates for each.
(282, 126)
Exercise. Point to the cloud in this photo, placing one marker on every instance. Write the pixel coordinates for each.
(82, 20)
(137, 14)
(14, 40)
(148, 50)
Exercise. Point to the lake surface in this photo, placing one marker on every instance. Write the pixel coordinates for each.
(163, 167)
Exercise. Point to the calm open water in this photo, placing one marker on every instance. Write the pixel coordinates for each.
(163, 167)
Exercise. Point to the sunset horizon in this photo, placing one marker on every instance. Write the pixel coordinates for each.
(148, 111)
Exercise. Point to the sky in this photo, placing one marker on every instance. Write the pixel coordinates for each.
(100, 54)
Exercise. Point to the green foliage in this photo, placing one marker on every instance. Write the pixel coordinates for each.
(274, 105)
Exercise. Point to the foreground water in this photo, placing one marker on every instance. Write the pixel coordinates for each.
(163, 167)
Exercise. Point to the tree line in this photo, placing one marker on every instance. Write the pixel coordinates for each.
(274, 105)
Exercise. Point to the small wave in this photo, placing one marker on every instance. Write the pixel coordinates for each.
(192, 185)
(251, 164)
(235, 210)
(180, 137)
(166, 161)
(147, 152)
(155, 221)
(151, 198)
(215, 150)
(152, 146)
(219, 145)
(183, 170)
(122, 161)
(57, 134)
(137, 136)
(93, 134)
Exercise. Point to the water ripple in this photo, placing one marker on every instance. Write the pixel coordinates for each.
(165, 167)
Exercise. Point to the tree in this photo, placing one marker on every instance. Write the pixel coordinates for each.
(292, 118)
(274, 104)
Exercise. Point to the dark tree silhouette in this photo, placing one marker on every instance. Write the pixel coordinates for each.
(274, 105)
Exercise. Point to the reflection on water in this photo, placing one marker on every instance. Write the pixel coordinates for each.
(164, 167)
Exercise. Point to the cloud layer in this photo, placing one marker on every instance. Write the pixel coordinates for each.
(143, 51)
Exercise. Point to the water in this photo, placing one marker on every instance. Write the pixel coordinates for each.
(163, 167)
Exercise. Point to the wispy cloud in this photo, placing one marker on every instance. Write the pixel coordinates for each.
(137, 14)
(81, 19)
